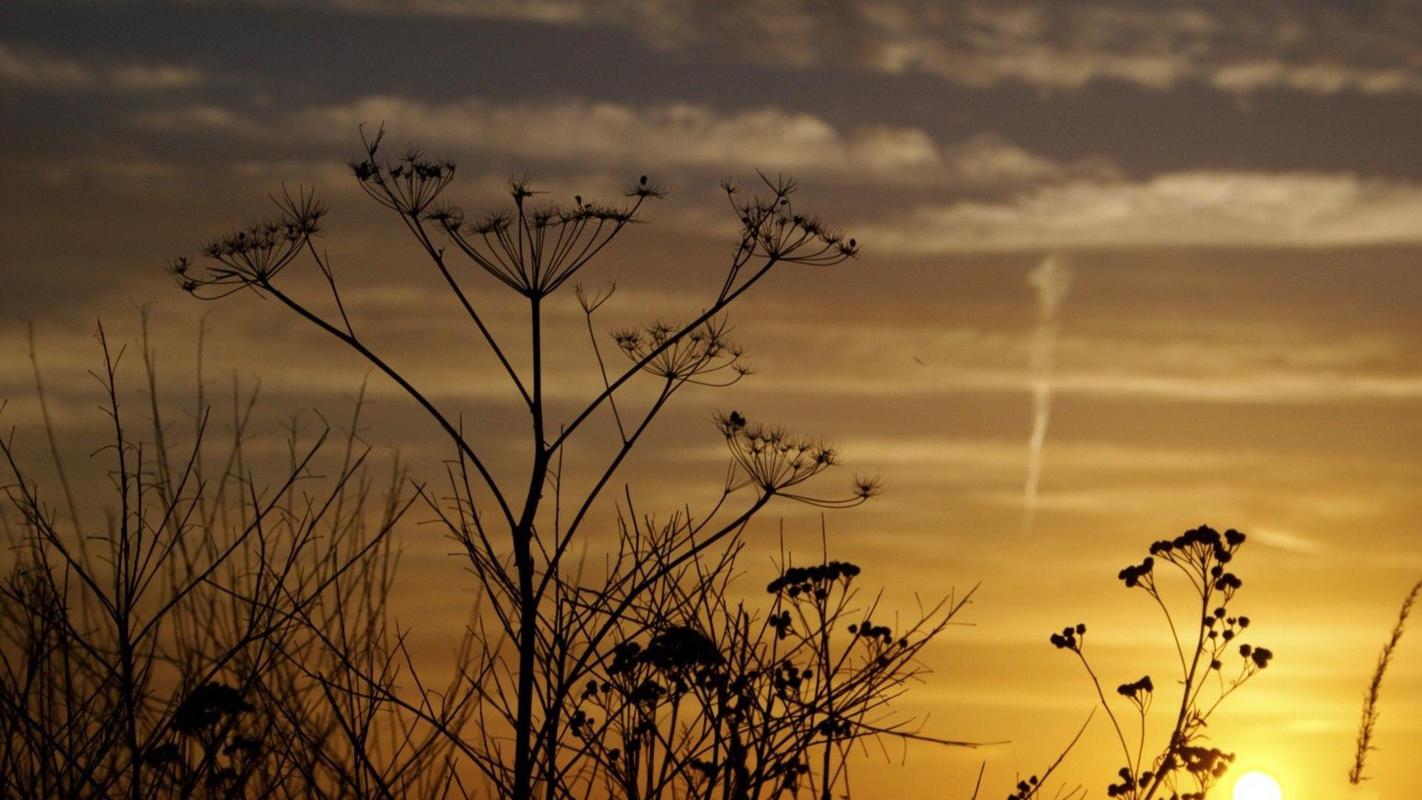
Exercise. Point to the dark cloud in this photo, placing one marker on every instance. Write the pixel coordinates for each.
(1312, 47)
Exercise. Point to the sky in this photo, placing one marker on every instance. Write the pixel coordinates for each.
(1158, 260)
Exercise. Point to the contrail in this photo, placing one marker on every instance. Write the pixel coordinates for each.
(1051, 279)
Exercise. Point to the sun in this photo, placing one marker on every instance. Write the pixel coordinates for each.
(1257, 786)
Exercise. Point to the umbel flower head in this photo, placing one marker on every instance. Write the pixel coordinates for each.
(206, 706)
(254, 254)
(771, 228)
(795, 581)
(534, 249)
(704, 356)
(770, 457)
(679, 647)
(409, 184)
(773, 460)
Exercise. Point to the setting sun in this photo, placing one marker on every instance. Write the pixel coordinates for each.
(1257, 786)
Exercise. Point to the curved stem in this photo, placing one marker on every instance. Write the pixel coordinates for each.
(390, 372)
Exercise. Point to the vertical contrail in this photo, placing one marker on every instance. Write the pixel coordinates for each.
(1050, 279)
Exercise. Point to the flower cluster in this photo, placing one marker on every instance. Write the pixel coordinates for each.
(1258, 656)
(1071, 638)
(883, 634)
(770, 458)
(534, 250)
(676, 647)
(408, 184)
(1202, 553)
(679, 647)
(1129, 783)
(1025, 789)
(673, 660)
(254, 254)
(1136, 689)
(208, 715)
(1203, 556)
(787, 678)
(780, 623)
(834, 727)
(813, 579)
(665, 351)
(1205, 764)
(1142, 574)
(771, 228)
(206, 706)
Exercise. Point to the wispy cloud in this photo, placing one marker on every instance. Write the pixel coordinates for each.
(1051, 280)
(155, 77)
(1237, 48)
(1269, 386)
(665, 136)
(1294, 543)
(1213, 363)
(41, 71)
(36, 69)
(1203, 208)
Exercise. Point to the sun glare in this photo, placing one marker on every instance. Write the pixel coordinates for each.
(1257, 786)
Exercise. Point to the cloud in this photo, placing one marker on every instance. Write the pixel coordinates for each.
(1003, 458)
(1253, 76)
(1051, 280)
(40, 71)
(661, 136)
(1288, 542)
(554, 12)
(1239, 48)
(1200, 208)
(1213, 363)
(35, 69)
(145, 77)
(1265, 387)
(203, 118)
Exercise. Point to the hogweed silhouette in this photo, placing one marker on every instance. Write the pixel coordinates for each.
(552, 643)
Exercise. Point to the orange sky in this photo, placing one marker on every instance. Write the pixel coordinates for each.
(1235, 193)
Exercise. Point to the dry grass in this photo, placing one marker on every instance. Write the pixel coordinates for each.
(1370, 700)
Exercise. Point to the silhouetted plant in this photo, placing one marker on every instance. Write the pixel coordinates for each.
(164, 651)
(1374, 692)
(1212, 667)
(713, 700)
(1034, 784)
(551, 641)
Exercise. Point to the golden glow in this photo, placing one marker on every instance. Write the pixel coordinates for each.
(1257, 786)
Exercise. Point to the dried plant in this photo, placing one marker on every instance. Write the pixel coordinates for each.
(1370, 698)
(1212, 667)
(705, 699)
(158, 640)
(564, 664)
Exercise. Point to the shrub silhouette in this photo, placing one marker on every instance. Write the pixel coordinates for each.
(166, 650)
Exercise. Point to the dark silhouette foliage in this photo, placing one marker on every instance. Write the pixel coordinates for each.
(1213, 663)
(641, 678)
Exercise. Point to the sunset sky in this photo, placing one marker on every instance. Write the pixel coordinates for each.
(1227, 195)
